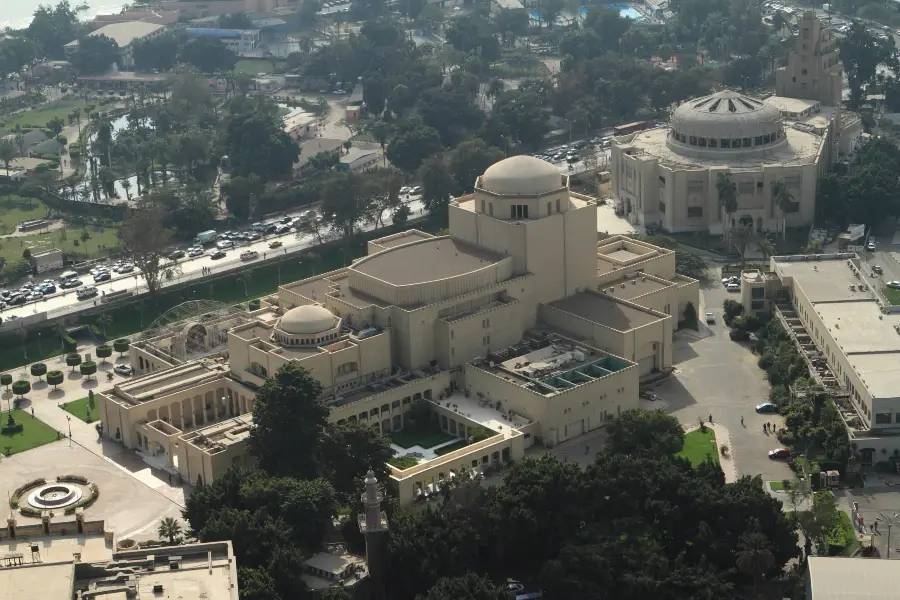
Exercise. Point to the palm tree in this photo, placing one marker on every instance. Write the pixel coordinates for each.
(727, 190)
(126, 185)
(169, 528)
(754, 557)
(783, 200)
(766, 247)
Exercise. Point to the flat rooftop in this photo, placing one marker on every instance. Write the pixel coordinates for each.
(167, 381)
(405, 237)
(427, 260)
(800, 148)
(845, 578)
(606, 311)
(49, 581)
(635, 286)
(125, 33)
(824, 280)
(217, 437)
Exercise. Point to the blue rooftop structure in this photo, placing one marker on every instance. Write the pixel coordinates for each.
(215, 33)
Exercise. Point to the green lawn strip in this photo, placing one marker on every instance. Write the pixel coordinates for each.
(38, 117)
(254, 66)
(35, 433)
(413, 436)
(451, 447)
(698, 445)
(845, 536)
(779, 486)
(892, 295)
(79, 408)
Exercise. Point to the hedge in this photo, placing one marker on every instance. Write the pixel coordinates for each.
(85, 502)
(27, 511)
(72, 479)
(12, 429)
(14, 499)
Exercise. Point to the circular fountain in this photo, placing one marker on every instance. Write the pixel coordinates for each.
(55, 495)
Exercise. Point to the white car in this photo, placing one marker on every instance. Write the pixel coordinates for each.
(249, 255)
(894, 285)
(126, 268)
(224, 244)
(733, 279)
(194, 252)
(733, 287)
(870, 246)
(710, 318)
(123, 369)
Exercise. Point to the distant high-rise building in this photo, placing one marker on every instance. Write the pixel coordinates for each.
(374, 525)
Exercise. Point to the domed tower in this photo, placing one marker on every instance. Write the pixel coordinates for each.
(374, 525)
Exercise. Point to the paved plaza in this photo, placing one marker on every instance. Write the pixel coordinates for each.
(133, 496)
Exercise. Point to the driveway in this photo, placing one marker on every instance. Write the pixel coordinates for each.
(718, 377)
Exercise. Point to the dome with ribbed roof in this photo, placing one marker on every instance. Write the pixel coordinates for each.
(306, 320)
(726, 120)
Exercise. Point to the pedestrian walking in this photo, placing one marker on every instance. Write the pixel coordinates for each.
(742, 421)
(32, 412)
(587, 450)
(710, 419)
(876, 528)
(565, 457)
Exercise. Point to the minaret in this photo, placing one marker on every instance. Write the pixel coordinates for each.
(373, 525)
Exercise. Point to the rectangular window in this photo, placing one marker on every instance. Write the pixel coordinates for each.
(726, 143)
(759, 186)
(793, 207)
(662, 207)
(882, 418)
(701, 142)
(712, 143)
(758, 292)
(735, 143)
(746, 142)
(692, 141)
(695, 212)
(757, 141)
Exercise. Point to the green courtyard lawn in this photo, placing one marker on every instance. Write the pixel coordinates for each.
(252, 66)
(892, 295)
(779, 486)
(38, 117)
(451, 447)
(15, 209)
(415, 436)
(698, 445)
(79, 408)
(35, 433)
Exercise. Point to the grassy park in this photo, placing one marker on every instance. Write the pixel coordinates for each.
(253, 66)
(698, 445)
(38, 117)
(34, 433)
(79, 408)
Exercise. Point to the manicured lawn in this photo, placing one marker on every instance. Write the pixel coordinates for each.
(892, 295)
(451, 447)
(848, 534)
(79, 408)
(15, 209)
(35, 433)
(698, 445)
(38, 117)
(779, 486)
(412, 436)
(252, 67)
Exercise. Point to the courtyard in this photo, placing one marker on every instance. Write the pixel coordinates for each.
(34, 433)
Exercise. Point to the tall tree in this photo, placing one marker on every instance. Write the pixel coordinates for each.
(146, 241)
(437, 186)
(8, 153)
(208, 54)
(754, 557)
(861, 53)
(783, 199)
(95, 54)
(650, 432)
(728, 199)
(411, 146)
(288, 423)
(54, 27)
(468, 587)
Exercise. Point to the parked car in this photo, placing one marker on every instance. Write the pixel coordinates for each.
(766, 407)
(249, 255)
(732, 279)
(275, 244)
(779, 453)
(877, 269)
(711, 318)
(123, 370)
(252, 236)
(733, 287)
(894, 285)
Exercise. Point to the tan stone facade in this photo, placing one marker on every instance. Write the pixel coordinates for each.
(507, 324)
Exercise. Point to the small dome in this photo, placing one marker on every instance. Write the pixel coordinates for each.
(726, 115)
(307, 319)
(521, 176)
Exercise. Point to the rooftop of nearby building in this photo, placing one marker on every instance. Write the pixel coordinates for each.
(217, 437)
(426, 260)
(55, 581)
(635, 285)
(847, 306)
(124, 34)
(358, 151)
(165, 382)
(547, 362)
(606, 311)
(327, 569)
(404, 237)
(843, 578)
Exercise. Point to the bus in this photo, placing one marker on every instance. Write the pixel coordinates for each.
(630, 128)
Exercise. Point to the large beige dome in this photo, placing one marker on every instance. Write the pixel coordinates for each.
(739, 120)
(521, 176)
(307, 319)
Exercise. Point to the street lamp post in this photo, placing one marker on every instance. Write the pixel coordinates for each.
(69, 419)
(888, 520)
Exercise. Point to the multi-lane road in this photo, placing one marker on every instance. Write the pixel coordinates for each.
(64, 301)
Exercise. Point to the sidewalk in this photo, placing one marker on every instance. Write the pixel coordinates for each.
(45, 402)
(727, 463)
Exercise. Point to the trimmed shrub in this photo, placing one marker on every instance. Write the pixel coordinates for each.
(20, 388)
(6, 380)
(73, 360)
(104, 351)
(85, 502)
(38, 370)
(31, 484)
(121, 346)
(12, 429)
(27, 511)
(254, 304)
(88, 369)
(55, 378)
(72, 479)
